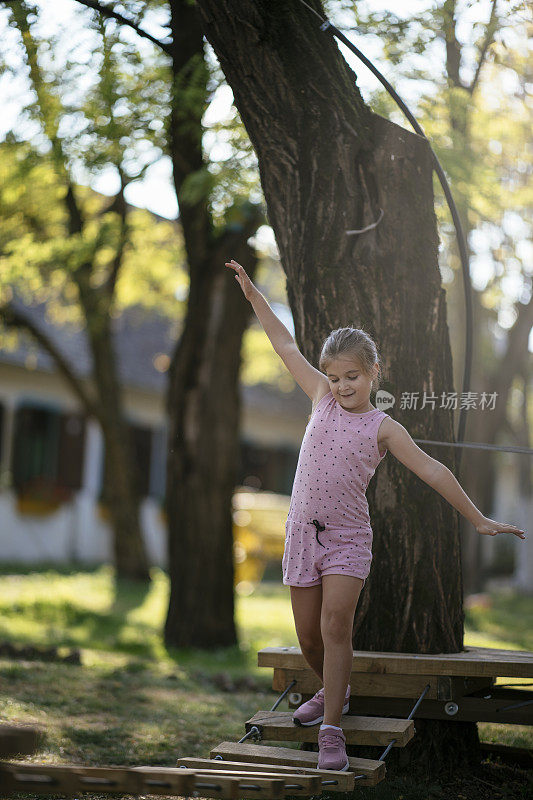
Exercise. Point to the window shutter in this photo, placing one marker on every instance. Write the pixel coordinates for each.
(71, 450)
(34, 445)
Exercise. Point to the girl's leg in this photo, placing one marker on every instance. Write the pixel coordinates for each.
(306, 603)
(340, 594)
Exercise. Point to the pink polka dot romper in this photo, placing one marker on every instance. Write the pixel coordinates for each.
(328, 529)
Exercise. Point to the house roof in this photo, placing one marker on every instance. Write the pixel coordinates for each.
(140, 336)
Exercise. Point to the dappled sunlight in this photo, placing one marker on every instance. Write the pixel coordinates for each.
(133, 702)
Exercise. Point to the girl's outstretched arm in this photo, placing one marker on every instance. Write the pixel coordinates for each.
(272, 325)
(313, 382)
(397, 439)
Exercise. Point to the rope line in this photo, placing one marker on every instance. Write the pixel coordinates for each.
(481, 446)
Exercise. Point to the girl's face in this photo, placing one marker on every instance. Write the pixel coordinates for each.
(349, 385)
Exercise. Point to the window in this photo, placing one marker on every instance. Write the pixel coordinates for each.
(47, 448)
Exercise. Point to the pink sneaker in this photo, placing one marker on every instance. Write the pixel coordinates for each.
(312, 711)
(332, 749)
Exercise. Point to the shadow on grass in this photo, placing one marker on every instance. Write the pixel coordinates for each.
(74, 607)
(48, 605)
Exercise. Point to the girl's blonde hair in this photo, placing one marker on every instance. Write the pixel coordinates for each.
(355, 343)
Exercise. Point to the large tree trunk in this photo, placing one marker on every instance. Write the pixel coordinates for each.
(328, 165)
(204, 411)
(203, 396)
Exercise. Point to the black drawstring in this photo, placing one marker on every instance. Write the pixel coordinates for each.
(319, 527)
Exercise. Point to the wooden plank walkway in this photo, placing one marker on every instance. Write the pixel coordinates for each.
(265, 754)
(456, 685)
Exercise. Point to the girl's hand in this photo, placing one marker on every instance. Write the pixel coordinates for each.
(491, 527)
(246, 284)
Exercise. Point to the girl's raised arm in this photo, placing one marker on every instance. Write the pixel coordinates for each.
(312, 381)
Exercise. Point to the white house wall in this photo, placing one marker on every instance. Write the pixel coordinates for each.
(76, 532)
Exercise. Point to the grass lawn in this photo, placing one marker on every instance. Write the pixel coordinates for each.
(133, 702)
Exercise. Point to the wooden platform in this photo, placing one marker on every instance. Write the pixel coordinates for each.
(470, 662)
(462, 686)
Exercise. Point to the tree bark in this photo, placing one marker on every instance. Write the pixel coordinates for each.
(327, 165)
(204, 410)
(203, 397)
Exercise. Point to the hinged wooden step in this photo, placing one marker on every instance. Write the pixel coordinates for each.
(235, 786)
(44, 779)
(278, 726)
(294, 783)
(255, 766)
(374, 771)
(303, 785)
(72, 779)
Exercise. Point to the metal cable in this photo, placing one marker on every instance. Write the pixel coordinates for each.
(481, 446)
(282, 695)
(515, 705)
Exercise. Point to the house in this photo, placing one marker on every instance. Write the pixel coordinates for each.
(51, 455)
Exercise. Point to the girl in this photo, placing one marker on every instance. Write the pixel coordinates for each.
(328, 539)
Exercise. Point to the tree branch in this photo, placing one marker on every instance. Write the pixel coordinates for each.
(116, 263)
(14, 318)
(47, 112)
(453, 49)
(112, 14)
(487, 41)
